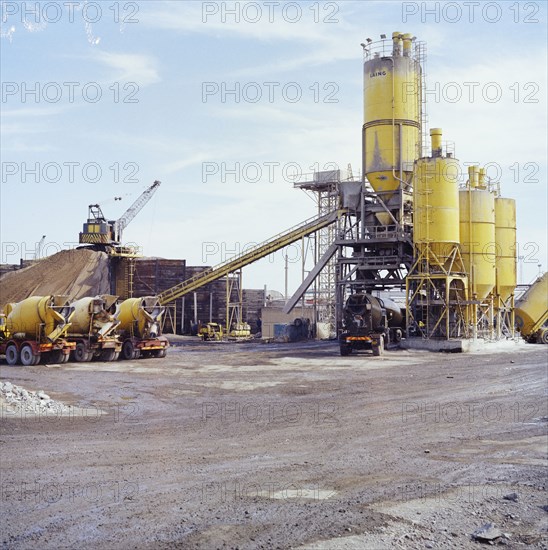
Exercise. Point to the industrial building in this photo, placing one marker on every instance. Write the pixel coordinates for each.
(412, 221)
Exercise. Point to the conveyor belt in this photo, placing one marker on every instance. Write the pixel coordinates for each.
(256, 253)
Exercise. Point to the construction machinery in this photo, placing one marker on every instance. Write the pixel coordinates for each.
(107, 234)
(140, 328)
(93, 327)
(240, 331)
(35, 329)
(370, 323)
(210, 332)
(532, 312)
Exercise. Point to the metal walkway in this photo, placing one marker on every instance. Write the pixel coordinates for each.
(256, 253)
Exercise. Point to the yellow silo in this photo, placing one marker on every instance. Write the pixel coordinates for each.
(392, 115)
(532, 311)
(505, 237)
(436, 204)
(477, 236)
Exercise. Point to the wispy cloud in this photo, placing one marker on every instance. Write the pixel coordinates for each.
(128, 67)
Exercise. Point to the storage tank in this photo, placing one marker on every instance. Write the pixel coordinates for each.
(532, 311)
(477, 235)
(93, 316)
(436, 203)
(505, 237)
(141, 317)
(42, 318)
(392, 113)
(366, 311)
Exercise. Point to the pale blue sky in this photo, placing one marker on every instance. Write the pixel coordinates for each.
(162, 61)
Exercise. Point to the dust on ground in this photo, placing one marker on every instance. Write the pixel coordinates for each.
(280, 446)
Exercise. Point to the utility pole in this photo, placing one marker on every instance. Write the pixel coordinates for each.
(286, 277)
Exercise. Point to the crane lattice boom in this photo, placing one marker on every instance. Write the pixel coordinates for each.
(121, 223)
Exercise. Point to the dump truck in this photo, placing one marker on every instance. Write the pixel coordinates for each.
(370, 323)
(35, 329)
(140, 328)
(531, 312)
(93, 327)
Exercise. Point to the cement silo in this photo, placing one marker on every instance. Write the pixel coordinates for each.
(477, 235)
(436, 230)
(505, 237)
(392, 115)
(437, 284)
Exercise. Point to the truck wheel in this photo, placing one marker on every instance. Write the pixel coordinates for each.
(12, 355)
(66, 357)
(27, 355)
(543, 336)
(378, 349)
(345, 350)
(128, 350)
(108, 355)
(159, 353)
(56, 356)
(397, 335)
(81, 353)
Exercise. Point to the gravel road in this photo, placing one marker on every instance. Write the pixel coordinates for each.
(279, 446)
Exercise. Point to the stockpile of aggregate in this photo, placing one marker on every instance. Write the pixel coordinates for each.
(75, 273)
(15, 399)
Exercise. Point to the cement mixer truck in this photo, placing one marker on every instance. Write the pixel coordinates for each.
(370, 323)
(93, 327)
(141, 328)
(531, 312)
(35, 329)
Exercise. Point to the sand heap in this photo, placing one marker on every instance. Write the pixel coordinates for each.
(75, 273)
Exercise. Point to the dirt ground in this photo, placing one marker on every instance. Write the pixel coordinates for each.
(280, 446)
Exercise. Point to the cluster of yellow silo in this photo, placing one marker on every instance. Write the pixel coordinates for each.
(464, 234)
(471, 221)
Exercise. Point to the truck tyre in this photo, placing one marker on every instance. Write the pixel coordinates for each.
(27, 355)
(108, 355)
(128, 350)
(12, 355)
(65, 358)
(81, 354)
(345, 350)
(159, 353)
(543, 336)
(397, 335)
(56, 356)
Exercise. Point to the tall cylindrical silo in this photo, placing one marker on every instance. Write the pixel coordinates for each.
(477, 236)
(505, 237)
(436, 203)
(392, 115)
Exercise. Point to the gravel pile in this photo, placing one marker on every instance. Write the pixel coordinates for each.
(75, 273)
(19, 399)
